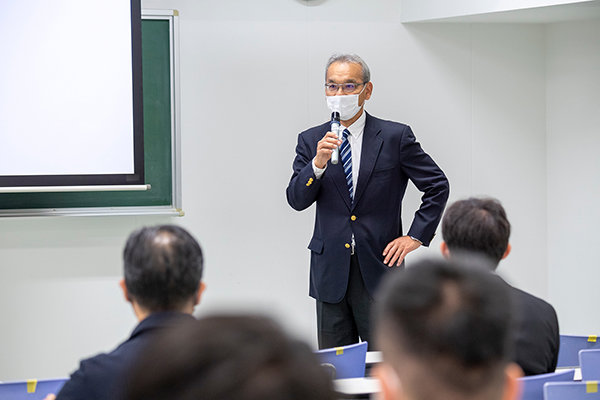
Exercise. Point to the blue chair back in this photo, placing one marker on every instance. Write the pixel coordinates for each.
(571, 390)
(568, 353)
(589, 360)
(532, 387)
(31, 389)
(348, 361)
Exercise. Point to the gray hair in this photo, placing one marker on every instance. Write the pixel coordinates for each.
(350, 58)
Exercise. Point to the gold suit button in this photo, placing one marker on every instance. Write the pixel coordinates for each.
(353, 218)
(347, 245)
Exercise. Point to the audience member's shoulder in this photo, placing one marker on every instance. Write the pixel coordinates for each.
(91, 379)
(105, 363)
(126, 350)
(522, 296)
(95, 362)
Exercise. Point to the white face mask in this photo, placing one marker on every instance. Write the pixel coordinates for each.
(346, 105)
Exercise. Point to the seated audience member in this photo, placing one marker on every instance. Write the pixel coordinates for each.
(228, 357)
(444, 331)
(480, 226)
(162, 281)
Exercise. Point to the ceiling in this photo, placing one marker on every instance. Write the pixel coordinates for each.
(548, 14)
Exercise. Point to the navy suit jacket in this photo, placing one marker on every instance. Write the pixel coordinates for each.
(390, 157)
(537, 337)
(101, 377)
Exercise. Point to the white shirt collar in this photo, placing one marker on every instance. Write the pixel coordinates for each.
(358, 127)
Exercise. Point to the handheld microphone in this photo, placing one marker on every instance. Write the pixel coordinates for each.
(335, 128)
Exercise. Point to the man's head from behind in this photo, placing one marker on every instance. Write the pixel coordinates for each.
(443, 328)
(477, 225)
(162, 269)
(228, 357)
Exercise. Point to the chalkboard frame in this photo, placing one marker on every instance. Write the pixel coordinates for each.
(168, 203)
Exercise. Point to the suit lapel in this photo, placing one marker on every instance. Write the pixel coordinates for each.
(371, 145)
(339, 177)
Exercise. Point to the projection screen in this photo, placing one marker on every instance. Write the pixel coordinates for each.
(70, 93)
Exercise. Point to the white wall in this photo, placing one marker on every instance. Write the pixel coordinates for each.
(58, 291)
(251, 79)
(477, 98)
(573, 121)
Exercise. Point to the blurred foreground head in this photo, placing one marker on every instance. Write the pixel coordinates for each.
(228, 357)
(444, 329)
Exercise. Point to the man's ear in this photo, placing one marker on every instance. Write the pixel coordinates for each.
(507, 252)
(391, 388)
(512, 386)
(445, 250)
(201, 289)
(368, 90)
(124, 289)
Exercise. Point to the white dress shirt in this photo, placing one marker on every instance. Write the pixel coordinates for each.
(355, 139)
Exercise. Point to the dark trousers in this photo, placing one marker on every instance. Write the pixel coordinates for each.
(345, 322)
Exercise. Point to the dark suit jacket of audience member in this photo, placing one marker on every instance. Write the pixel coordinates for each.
(99, 377)
(537, 335)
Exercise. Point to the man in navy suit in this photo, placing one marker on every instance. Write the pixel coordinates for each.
(480, 225)
(358, 231)
(163, 271)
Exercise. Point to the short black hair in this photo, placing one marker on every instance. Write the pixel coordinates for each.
(162, 267)
(477, 225)
(228, 357)
(453, 318)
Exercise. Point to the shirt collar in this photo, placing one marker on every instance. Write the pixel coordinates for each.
(358, 127)
(160, 320)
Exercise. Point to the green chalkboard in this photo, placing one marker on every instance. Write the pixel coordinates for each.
(158, 139)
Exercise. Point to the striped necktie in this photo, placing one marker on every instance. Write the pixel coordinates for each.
(346, 154)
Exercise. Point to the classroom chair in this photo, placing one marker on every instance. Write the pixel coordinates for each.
(589, 360)
(348, 361)
(584, 390)
(568, 353)
(532, 387)
(31, 389)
